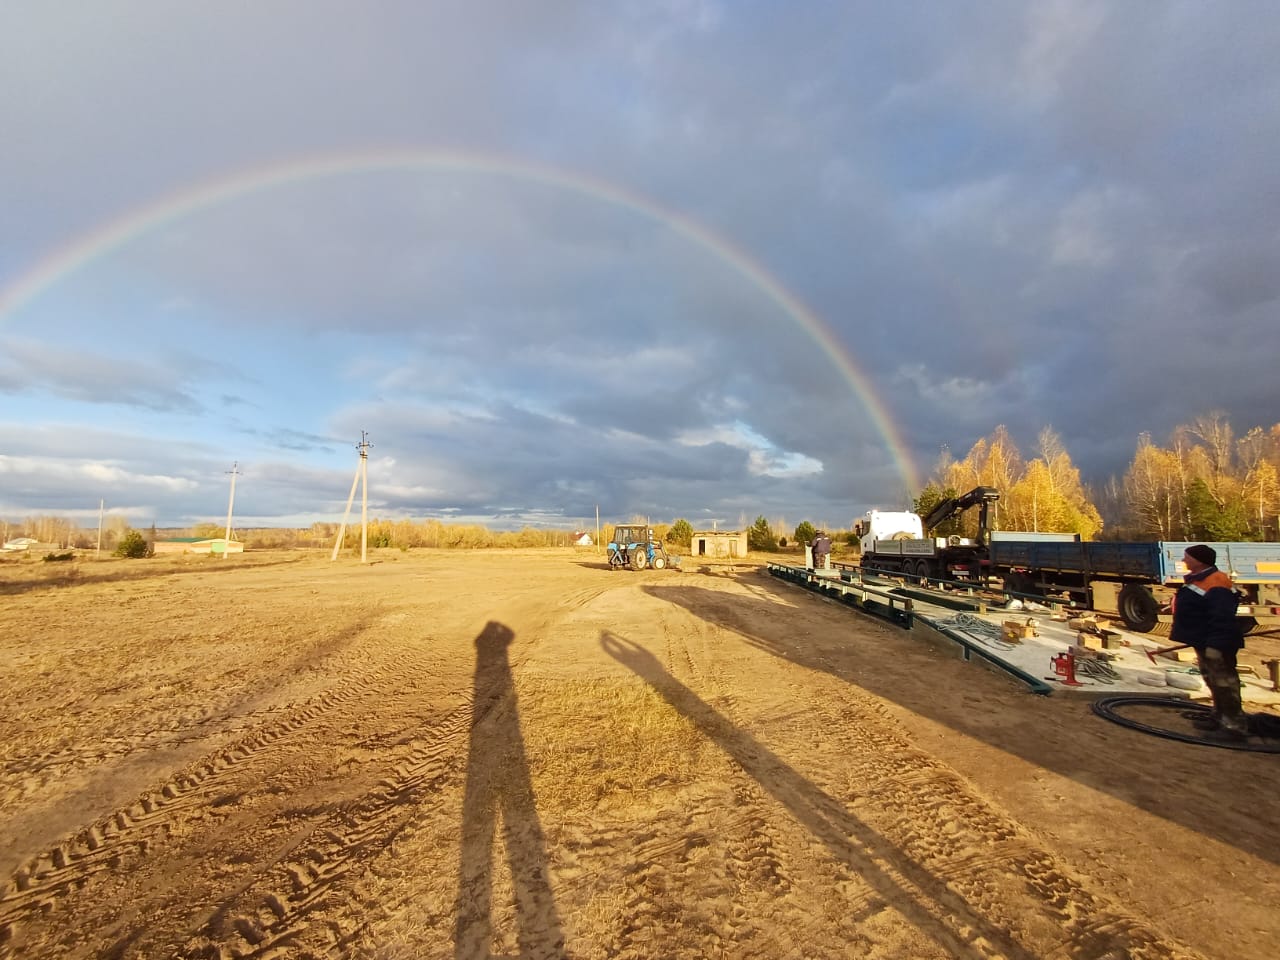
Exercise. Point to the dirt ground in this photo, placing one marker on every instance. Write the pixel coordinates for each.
(525, 754)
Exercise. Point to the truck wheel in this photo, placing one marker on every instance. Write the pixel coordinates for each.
(638, 560)
(1138, 608)
(922, 569)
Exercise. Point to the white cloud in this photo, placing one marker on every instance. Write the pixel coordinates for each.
(764, 458)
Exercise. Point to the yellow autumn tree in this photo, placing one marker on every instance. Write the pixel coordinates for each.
(1049, 496)
(1261, 494)
(1033, 503)
(1080, 515)
(1153, 490)
(993, 461)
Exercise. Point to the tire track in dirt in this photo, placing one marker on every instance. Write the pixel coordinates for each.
(964, 852)
(759, 882)
(119, 840)
(294, 906)
(156, 723)
(941, 845)
(691, 846)
(27, 775)
(719, 870)
(770, 798)
(315, 916)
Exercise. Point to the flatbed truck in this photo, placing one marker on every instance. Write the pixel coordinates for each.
(1132, 581)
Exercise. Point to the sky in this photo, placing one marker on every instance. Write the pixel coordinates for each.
(671, 258)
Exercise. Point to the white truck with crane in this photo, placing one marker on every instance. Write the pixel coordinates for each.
(896, 542)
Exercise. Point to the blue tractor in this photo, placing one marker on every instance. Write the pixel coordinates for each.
(634, 546)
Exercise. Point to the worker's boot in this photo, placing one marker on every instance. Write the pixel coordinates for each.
(1224, 686)
(1205, 721)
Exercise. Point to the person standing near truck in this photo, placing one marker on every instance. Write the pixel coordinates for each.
(1204, 618)
(821, 550)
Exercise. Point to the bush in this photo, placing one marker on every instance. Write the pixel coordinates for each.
(59, 557)
(134, 546)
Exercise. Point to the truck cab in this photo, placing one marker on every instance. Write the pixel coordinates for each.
(887, 525)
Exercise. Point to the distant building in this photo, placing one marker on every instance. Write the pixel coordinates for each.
(217, 545)
(719, 543)
(582, 540)
(19, 544)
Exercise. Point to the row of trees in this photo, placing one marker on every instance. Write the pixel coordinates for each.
(401, 534)
(1206, 483)
(64, 533)
(1044, 493)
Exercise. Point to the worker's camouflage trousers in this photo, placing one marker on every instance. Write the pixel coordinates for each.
(1219, 672)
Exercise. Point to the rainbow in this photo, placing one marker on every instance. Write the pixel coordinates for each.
(210, 193)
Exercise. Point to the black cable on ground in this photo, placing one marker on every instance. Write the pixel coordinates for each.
(1106, 707)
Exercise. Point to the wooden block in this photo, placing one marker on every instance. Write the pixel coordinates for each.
(1018, 628)
(1090, 641)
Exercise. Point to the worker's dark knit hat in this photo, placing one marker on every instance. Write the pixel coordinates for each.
(1203, 553)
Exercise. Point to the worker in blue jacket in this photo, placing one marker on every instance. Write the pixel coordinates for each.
(1204, 618)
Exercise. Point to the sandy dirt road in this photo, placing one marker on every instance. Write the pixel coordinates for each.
(525, 754)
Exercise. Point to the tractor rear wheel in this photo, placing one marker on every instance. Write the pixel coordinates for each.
(638, 560)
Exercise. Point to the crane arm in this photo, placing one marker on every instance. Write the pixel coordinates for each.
(952, 505)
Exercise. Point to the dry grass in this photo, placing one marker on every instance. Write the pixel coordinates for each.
(625, 741)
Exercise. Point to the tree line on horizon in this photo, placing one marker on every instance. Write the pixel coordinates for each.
(1205, 483)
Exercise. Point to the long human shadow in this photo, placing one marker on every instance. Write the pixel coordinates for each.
(1071, 736)
(498, 786)
(847, 838)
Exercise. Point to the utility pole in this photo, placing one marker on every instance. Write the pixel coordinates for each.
(97, 554)
(597, 528)
(226, 540)
(362, 473)
(364, 495)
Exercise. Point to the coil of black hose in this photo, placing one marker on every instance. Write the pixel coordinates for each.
(1105, 707)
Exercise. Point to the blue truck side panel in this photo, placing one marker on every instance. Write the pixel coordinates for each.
(1242, 562)
(1155, 562)
(1141, 561)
